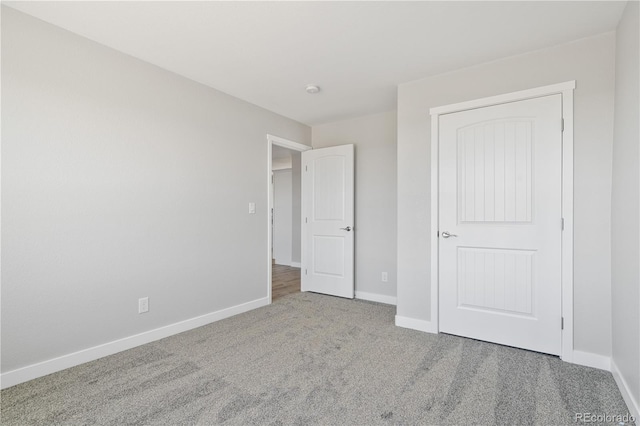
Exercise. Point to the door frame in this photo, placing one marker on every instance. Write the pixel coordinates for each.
(566, 90)
(294, 146)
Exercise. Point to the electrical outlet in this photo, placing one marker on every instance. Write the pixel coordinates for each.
(385, 277)
(143, 305)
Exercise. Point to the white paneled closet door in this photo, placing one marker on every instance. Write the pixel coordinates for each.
(500, 180)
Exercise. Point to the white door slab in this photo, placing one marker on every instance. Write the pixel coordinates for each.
(500, 223)
(328, 221)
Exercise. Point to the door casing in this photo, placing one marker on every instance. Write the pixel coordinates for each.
(566, 90)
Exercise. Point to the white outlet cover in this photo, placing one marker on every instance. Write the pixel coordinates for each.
(143, 305)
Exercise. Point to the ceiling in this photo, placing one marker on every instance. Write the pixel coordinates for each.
(357, 52)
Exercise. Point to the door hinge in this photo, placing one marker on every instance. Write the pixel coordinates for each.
(562, 125)
(306, 168)
(305, 271)
(562, 223)
(438, 234)
(306, 220)
(561, 323)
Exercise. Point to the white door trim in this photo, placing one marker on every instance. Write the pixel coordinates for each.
(566, 90)
(295, 146)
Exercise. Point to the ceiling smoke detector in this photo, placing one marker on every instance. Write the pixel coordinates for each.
(312, 89)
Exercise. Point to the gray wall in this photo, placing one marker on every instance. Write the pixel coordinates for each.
(121, 180)
(625, 238)
(296, 194)
(591, 63)
(282, 212)
(374, 137)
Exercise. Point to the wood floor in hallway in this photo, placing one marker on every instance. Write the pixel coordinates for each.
(284, 280)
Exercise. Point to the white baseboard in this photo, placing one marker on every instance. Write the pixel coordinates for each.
(589, 359)
(416, 324)
(374, 297)
(632, 404)
(24, 374)
(292, 264)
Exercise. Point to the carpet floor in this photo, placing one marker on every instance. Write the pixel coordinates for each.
(313, 359)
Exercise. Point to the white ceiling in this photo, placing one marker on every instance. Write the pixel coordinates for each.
(358, 52)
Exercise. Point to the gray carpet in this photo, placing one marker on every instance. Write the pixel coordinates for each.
(312, 359)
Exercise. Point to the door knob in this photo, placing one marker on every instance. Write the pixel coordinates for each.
(445, 234)
(348, 228)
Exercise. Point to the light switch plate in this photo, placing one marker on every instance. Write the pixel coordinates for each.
(252, 208)
(143, 305)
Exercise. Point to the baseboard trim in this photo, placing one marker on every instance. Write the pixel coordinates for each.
(374, 297)
(44, 368)
(416, 324)
(589, 359)
(296, 264)
(632, 404)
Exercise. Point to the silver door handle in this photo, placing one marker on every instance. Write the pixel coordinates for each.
(348, 228)
(445, 234)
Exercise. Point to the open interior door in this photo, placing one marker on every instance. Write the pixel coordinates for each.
(327, 221)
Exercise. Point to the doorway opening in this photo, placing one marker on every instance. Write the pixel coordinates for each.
(284, 226)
